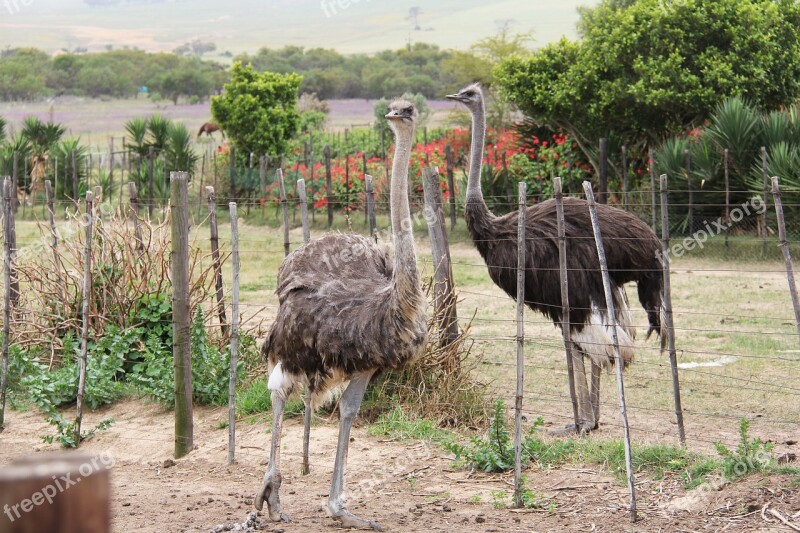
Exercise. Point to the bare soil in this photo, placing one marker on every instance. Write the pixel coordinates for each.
(405, 486)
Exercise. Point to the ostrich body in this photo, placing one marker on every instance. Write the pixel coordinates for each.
(347, 310)
(632, 252)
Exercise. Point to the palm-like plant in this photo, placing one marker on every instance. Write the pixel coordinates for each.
(158, 127)
(3, 125)
(180, 154)
(137, 130)
(737, 126)
(16, 144)
(63, 154)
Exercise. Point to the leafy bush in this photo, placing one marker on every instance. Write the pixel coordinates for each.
(751, 455)
(495, 452)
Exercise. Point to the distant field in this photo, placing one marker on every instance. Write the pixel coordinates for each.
(96, 120)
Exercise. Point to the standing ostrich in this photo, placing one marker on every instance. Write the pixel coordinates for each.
(632, 252)
(208, 128)
(347, 310)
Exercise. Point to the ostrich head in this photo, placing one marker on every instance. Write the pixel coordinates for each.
(402, 116)
(471, 96)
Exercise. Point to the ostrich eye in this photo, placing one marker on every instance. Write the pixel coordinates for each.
(409, 110)
(469, 94)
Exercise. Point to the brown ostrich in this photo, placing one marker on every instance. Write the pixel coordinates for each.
(346, 323)
(632, 251)
(208, 128)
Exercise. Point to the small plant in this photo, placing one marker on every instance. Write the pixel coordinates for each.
(474, 499)
(499, 499)
(495, 452)
(751, 455)
(534, 500)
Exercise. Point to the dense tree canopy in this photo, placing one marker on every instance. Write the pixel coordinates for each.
(645, 68)
(258, 111)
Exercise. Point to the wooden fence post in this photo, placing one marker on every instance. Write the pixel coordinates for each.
(328, 184)
(366, 204)
(215, 259)
(232, 174)
(75, 179)
(150, 180)
(688, 158)
(448, 154)
(653, 190)
(234, 334)
(787, 257)
(612, 318)
(87, 291)
(625, 177)
(444, 290)
(673, 359)
(8, 222)
(347, 183)
(727, 195)
(370, 196)
(86, 506)
(566, 331)
(602, 190)
(285, 213)
(14, 181)
(301, 194)
(181, 313)
(48, 191)
(134, 206)
(521, 244)
(765, 172)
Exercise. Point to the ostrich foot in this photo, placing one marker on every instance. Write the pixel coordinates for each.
(349, 520)
(270, 492)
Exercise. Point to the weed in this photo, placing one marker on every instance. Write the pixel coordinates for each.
(397, 424)
(253, 399)
(494, 453)
(474, 499)
(499, 499)
(751, 455)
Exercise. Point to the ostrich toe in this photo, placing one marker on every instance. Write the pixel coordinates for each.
(270, 492)
(349, 520)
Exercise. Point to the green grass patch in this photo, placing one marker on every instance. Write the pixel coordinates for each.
(397, 425)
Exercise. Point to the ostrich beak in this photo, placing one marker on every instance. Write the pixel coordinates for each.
(394, 115)
(456, 97)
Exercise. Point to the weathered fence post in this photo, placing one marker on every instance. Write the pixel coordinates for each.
(444, 290)
(673, 359)
(75, 179)
(448, 154)
(521, 234)
(301, 194)
(328, 184)
(765, 172)
(232, 174)
(215, 259)
(87, 290)
(48, 191)
(688, 158)
(727, 195)
(566, 331)
(625, 177)
(181, 314)
(86, 506)
(347, 183)
(370, 196)
(602, 189)
(134, 206)
(234, 334)
(150, 180)
(366, 205)
(653, 190)
(787, 257)
(612, 318)
(285, 212)
(15, 182)
(8, 222)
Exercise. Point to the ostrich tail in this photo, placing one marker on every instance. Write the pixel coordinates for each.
(199, 133)
(651, 296)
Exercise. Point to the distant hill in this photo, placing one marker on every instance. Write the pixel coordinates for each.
(245, 25)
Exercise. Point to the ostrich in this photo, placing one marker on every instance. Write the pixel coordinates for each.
(632, 251)
(347, 311)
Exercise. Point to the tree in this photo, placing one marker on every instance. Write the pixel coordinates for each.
(258, 111)
(187, 81)
(645, 68)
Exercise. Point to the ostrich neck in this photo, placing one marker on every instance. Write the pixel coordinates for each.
(478, 215)
(406, 276)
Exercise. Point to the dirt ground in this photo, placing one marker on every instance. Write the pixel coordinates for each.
(405, 486)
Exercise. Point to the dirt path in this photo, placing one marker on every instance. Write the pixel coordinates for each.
(405, 486)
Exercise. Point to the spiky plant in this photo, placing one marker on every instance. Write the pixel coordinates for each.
(137, 131)
(158, 128)
(3, 124)
(737, 126)
(180, 154)
(63, 154)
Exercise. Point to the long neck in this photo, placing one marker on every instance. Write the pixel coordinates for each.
(478, 215)
(405, 259)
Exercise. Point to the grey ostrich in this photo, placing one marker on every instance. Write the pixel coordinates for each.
(631, 250)
(347, 310)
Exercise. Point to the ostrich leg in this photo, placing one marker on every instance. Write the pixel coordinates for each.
(585, 409)
(594, 395)
(272, 479)
(306, 433)
(349, 404)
